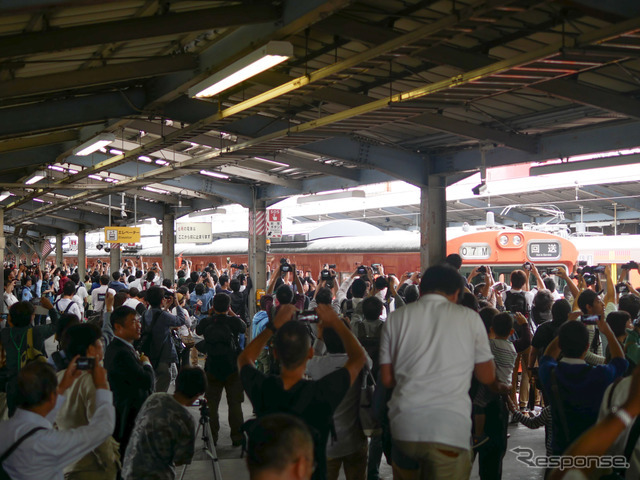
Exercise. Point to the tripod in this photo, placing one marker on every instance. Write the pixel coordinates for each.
(208, 447)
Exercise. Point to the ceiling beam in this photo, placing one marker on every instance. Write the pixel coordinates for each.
(608, 194)
(115, 73)
(312, 165)
(123, 30)
(574, 91)
(35, 141)
(67, 113)
(477, 132)
(260, 176)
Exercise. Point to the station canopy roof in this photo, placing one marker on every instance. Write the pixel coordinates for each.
(375, 91)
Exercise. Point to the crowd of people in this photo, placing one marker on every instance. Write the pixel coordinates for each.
(426, 370)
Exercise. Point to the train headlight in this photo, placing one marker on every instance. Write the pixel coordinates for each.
(517, 240)
(504, 240)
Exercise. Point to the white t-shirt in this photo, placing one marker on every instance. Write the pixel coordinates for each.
(8, 300)
(433, 345)
(137, 283)
(62, 304)
(98, 295)
(131, 302)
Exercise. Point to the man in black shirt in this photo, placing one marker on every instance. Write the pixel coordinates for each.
(312, 401)
(220, 333)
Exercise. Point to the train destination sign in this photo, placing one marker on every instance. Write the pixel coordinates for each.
(196, 232)
(544, 250)
(121, 234)
(475, 251)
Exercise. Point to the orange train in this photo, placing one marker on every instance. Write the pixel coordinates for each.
(503, 249)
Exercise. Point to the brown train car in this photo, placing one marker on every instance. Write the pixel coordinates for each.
(397, 252)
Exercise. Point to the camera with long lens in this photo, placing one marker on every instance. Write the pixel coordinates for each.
(237, 266)
(285, 267)
(589, 279)
(630, 266)
(327, 276)
(591, 270)
(621, 288)
(309, 316)
(527, 266)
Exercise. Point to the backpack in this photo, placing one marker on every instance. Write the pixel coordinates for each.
(516, 302)
(368, 334)
(220, 339)
(31, 354)
(347, 308)
(145, 341)
(66, 310)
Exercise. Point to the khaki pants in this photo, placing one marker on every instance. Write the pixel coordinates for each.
(437, 461)
(525, 381)
(235, 396)
(355, 465)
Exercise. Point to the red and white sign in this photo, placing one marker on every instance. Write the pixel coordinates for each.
(275, 215)
(274, 225)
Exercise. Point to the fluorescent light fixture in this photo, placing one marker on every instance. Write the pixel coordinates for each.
(332, 196)
(154, 190)
(161, 162)
(115, 151)
(39, 175)
(144, 158)
(249, 66)
(96, 143)
(56, 168)
(71, 171)
(209, 173)
(38, 200)
(95, 177)
(272, 162)
(208, 211)
(4, 196)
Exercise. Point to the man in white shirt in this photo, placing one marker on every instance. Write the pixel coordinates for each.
(429, 351)
(69, 302)
(137, 283)
(99, 294)
(45, 452)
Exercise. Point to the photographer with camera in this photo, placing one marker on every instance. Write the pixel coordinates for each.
(84, 342)
(312, 401)
(576, 389)
(352, 306)
(45, 451)
(156, 341)
(221, 331)
(284, 294)
(165, 434)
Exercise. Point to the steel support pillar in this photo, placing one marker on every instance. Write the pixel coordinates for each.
(82, 254)
(59, 257)
(168, 246)
(433, 222)
(114, 258)
(257, 251)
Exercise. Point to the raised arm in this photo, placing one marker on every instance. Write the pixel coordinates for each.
(355, 353)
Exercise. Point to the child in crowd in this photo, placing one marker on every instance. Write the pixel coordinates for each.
(504, 354)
